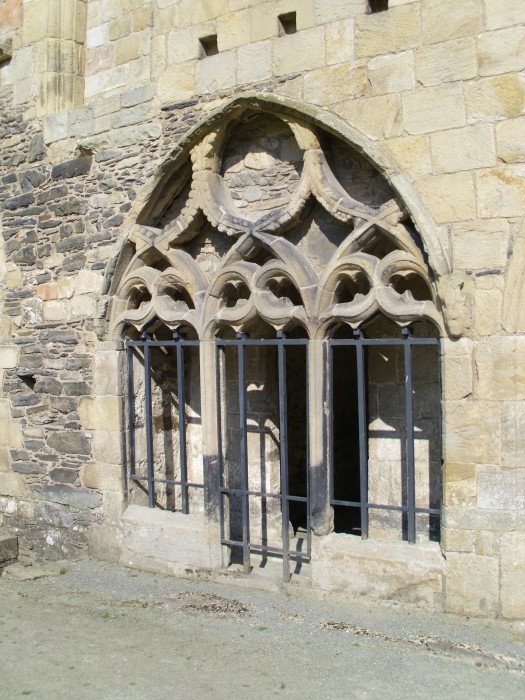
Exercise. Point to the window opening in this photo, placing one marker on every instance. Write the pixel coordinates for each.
(377, 6)
(385, 455)
(264, 473)
(209, 45)
(164, 421)
(287, 23)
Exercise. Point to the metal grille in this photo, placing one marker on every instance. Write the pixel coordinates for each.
(408, 508)
(142, 349)
(246, 542)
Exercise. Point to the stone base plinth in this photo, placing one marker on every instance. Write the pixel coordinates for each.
(386, 570)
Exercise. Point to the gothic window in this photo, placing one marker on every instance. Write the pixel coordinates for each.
(283, 342)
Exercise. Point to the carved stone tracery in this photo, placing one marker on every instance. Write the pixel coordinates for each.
(376, 266)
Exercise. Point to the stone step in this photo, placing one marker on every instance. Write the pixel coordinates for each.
(8, 549)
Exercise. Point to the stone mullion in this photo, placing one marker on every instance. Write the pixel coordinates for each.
(210, 447)
(319, 417)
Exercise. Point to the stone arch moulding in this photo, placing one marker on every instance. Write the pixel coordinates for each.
(190, 191)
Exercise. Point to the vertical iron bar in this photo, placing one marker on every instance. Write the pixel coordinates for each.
(181, 397)
(363, 431)
(131, 411)
(283, 449)
(148, 420)
(307, 465)
(219, 434)
(241, 364)
(331, 455)
(411, 481)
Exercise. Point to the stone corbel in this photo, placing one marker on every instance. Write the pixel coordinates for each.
(456, 296)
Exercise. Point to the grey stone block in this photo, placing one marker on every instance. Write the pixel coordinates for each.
(8, 549)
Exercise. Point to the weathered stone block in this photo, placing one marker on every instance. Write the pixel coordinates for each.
(471, 584)
(8, 549)
(127, 49)
(72, 168)
(445, 19)
(377, 117)
(459, 484)
(13, 485)
(298, 52)
(387, 32)
(500, 96)
(69, 442)
(393, 570)
(164, 541)
(512, 434)
(392, 73)
(335, 84)
(433, 109)
(496, 489)
(504, 14)
(330, 10)
(501, 191)
(254, 62)
(500, 366)
(472, 430)
(481, 244)
(447, 62)
(502, 51)
(197, 11)
(233, 30)
(510, 140)
(8, 357)
(449, 198)
(76, 497)
(177, 83)
(488, 305)
(411, 154)
(102, 476)
(339, 39)
(215, 73)
(512, 567)
(468, 148)
(100, 413)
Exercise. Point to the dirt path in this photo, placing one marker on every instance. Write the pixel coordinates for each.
(99, 631)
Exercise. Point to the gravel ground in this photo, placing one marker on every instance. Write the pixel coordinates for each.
(94, 630)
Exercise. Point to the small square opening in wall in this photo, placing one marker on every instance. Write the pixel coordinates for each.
(287, 23)
(209, 45)
(377, 6)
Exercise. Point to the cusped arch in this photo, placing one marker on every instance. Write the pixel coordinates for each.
(208, 218)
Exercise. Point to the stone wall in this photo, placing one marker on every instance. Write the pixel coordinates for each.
(431, 91)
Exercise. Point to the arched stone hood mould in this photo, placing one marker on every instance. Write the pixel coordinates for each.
(282, 106)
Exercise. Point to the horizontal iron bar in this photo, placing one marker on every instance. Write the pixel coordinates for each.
(357, 504)
(162, 343)
(262, 494)
(293, 554)
(168, 481)
(385, 341)
(261, 341)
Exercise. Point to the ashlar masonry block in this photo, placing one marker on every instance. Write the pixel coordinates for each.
(510, 140)
(504, 14)
(449, 198)
(501, 191)
(339, 38)
(392, 73)
(502, 96)
(468, 148)
(330, 10)
(387, 32)
(254, 62)
(446, 62)
(512, 566)
(443, 20)
(299, 52)
(433, 109)
(471, 584)
(502, 51)
(335, 84)
(377, 117)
